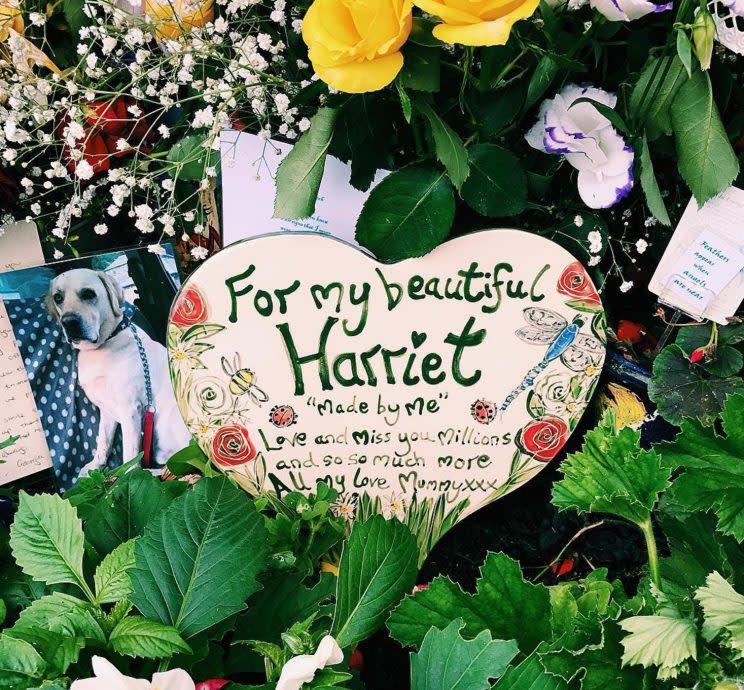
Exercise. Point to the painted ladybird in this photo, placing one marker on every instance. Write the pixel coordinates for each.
(282, 416)
(483, 412)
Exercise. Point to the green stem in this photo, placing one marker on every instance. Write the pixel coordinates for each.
(163, 665)
(653, 554)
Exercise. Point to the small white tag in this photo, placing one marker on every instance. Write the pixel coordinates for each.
(700, 272)
(20, 246)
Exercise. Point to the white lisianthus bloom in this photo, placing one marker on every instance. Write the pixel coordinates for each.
(302, 669)
(588, 141)
(108, 677)
(628, 10)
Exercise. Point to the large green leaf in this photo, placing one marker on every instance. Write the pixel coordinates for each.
(138, 637)
(503, 603)
(300, 173)
(530, 675)
(47, 540)
(653, 94)
(197, 562)
(450, 150)
(58, 650)
(112, 575)
(611, 474)
(497, 185)
(20, 663)
(408, 214)
(62, 614)
(684, 390)
(448, 662)
(706, 158)
(723, 609)
(378, 566)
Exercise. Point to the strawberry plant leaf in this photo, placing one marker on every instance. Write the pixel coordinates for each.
(502, 603)
(530, 675)
(448, 662)
(141, 638)
(723, 609)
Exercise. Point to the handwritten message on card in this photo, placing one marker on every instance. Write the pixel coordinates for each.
(19, 246)
(23, 447)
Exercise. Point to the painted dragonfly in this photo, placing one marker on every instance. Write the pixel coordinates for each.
(547, 327)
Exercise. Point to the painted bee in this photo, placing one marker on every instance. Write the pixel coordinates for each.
(243, 381)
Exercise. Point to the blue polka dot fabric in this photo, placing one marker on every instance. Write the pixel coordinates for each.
(69, 419)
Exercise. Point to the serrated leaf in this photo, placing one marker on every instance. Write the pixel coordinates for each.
(47, 540)
(448, 662)
(683, 390)
(530, 675)
(112, 575)
(63, 614)
(300, 173)
(650, 186)
(726, 359)
(723, 609)
(502, 603)
(59, 651)
(450, 150)
(707, 160)
(652, 96)
(378, 566)
(611, 474)
(20, 663)
(145, 639)
(408, 214)
(198, 561)
(497, 185)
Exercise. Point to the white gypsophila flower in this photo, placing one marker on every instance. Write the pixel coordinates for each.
(589, 143)
(100, 228)
(626, 285)
(641, 246)
(595, 242)
(199, 253)
(57, 254)
(628, 10)
(594, 260)
(83, 170)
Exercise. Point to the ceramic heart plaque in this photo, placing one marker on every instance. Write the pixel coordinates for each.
(423, 390)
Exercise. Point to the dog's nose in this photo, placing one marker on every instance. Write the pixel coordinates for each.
(72, 325)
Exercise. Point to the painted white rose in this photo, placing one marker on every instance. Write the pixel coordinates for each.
(302, 669)
(108, 677)
(628, 10)
(589, 143)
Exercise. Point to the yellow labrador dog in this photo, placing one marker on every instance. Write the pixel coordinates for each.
(88, 306)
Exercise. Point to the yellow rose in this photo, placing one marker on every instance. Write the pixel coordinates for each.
(174, 18)
(10, 18)
(477, 22)
(354, 45)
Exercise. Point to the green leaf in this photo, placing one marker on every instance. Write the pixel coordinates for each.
(530, 675)
(684, 51)
(421, 33)
(74, 15)
(300, 173)
(47, 540)
(20, 663)
(495, 110)
(650, 186)
(198, 560)
(451, 152)
(611, 474)
(191, 158)
(682, 390)
(707, 160)
(610, 113)
(545, 72)
(447, 662)
(141, 638)
(497, 185)
(408, 214)
(502, 603)
(112, 575)
(713, 477)
(421, 68)
(665, 640)
(378, 566)
(121, 515)
(405, 102)
(727, 360)
(652, 96)
(62, 614)
(723, 609)
(58, 650)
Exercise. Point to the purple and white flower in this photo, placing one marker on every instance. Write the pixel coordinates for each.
(628, 10)
(589, 143)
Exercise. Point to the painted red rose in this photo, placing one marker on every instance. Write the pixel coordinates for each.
(232, 446)
(191, 308)
(575, 283)
(543, 438)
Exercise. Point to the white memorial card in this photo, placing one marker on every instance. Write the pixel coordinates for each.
(249, 165)
(20, 246)
(701, 270)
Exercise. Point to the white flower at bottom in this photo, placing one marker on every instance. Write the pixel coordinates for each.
(302, 669)
(628, 10)
(108, 677)
(589, 142)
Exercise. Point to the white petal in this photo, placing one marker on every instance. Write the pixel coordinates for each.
(176, 679)
(301, 669)
(108, 677)
(603, 192)
(329, 653)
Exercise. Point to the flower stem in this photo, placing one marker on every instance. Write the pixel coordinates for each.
(653, 554)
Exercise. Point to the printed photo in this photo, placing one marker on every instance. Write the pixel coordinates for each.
(91, 334)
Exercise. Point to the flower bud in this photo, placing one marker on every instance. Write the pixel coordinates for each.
(698, 355)
(703, 35)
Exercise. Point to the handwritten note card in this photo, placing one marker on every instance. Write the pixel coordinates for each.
(28, 453)
(701, 270)
(249, 165)
(19, 246)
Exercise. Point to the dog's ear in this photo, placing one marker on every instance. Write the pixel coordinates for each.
(114, 292)
(49, 304)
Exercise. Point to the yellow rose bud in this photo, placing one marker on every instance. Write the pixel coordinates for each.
(10, 18)
(354, 45)
(703, 34)
(173, 18)
(477, 22)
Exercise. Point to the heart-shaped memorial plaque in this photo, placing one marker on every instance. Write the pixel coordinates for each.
(423, 390)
